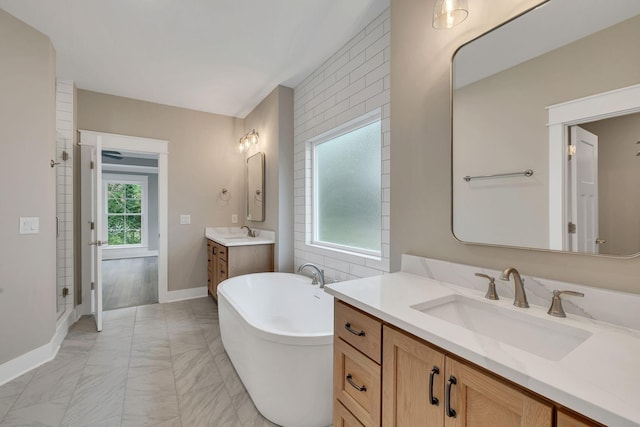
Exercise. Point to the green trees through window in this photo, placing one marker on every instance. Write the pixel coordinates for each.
(124, 214)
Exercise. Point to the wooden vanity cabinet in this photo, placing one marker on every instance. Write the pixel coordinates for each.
(230, 261)
(357, 372)
(415, 380)
(565, 418)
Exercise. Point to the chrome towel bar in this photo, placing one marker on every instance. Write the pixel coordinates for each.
(526, 173)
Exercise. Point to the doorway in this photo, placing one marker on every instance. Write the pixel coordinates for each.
(130, 224)
(95, 219)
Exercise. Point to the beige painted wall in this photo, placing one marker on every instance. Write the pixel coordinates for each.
(421, 153)
(202, 161)
(273, 120)
(27, 135)
(618, 182)
(500, 126)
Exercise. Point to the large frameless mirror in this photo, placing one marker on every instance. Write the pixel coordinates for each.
(546, 130)
(255, 187)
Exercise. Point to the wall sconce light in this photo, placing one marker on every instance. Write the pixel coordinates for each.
(448, 13)
(249, 138)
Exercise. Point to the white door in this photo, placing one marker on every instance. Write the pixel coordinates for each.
(584, 190)
(97, 237)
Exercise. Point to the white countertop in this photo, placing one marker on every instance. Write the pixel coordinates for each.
(236, 236)
(600, 378)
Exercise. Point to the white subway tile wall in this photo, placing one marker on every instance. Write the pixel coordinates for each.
(64, 194)
(354, 81)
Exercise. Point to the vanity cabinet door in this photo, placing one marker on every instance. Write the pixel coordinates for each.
(481, 400)
(410, 369)
(567, 419)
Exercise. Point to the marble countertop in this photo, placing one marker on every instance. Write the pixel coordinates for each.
(236, 236)
(600, 378)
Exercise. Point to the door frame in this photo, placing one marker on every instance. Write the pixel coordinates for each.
(618, 102)
(135, 144)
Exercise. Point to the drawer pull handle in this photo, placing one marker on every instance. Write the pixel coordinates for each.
(348, 327)
(451, 413)
(354, 385)
(432, 399)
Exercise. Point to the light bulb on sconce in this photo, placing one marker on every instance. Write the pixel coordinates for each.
(249, 138)
(449, 13)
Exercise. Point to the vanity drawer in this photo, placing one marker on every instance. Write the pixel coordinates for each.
(342, 417)
(356, 383)
(220, 251)
(223, 271)
(359, 329)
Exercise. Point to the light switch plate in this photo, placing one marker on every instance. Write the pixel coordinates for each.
(234, 218)
(185, 219)
(29, 225)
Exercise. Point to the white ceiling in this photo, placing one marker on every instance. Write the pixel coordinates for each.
(219, 56)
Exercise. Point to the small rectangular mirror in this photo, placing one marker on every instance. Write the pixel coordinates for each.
(255, 187)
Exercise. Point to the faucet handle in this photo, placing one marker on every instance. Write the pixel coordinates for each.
(491, 292)
(556, 308)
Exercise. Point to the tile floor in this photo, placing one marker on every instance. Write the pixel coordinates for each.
(153, 365)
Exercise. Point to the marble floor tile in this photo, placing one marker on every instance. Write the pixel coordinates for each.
(53, 380)
(120, 313)
(41, 414)
(98, 398)
(149, 407)
(187, 341)
(229, 375)
(16, 386)
(210, 406)
(247, 412)
(150, 354)
(194, 370)
(158, 365)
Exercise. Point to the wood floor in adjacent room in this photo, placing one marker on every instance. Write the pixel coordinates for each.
(155, 365)
(129, 282)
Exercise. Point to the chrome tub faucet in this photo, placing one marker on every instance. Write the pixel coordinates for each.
(318, 275)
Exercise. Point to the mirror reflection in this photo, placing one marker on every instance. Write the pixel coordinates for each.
(255, 187)
(546, 130)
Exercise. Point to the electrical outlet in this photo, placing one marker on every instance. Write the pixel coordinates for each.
(234, 218)
(185, 219)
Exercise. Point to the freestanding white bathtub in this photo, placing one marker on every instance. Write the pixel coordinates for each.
(278, 332)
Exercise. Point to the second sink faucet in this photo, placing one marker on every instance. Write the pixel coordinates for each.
(521, 297)
(250, 232)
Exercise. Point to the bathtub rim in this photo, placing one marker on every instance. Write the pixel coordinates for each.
(271, 334)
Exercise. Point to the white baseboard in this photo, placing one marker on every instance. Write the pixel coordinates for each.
(184, 294)
(43, 354)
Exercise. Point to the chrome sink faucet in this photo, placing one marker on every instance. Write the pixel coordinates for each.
(250, 232)
(521, 297)
(318, 276)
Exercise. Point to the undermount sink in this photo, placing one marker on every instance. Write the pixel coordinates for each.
(544, 338)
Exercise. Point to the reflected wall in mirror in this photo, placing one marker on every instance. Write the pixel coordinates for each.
(521, 94)
(255, 187)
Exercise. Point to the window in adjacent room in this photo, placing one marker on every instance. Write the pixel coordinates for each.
(346, 187)
(125, 208)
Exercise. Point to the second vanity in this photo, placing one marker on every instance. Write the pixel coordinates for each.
(232, 251)
(413, 349)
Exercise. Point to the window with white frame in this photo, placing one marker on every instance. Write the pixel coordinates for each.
(125, 208)
(346, 186)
